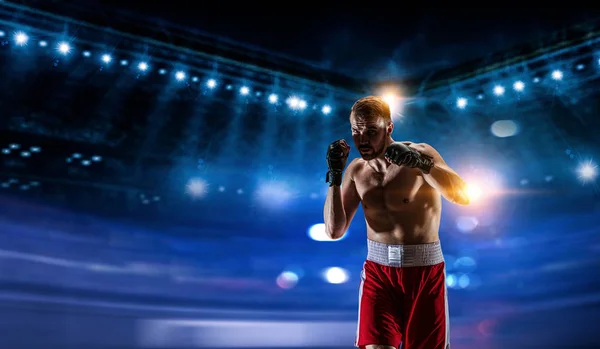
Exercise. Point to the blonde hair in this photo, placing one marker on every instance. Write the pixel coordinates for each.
(372, 107)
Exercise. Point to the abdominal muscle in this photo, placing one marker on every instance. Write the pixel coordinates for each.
(402, 228)
(400, 209)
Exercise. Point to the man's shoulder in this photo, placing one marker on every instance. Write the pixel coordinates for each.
(359, 161)
(355, 165)
(417, 146)
(356, 162)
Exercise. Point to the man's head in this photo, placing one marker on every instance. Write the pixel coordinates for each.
(372, 125)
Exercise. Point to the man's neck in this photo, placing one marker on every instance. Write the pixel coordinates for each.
(380, 164)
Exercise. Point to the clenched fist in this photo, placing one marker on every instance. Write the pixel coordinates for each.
(403, 155)
(337, 156)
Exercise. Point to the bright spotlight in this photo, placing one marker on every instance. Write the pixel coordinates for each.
(296, 103)
(197, 188)
(143, 66)
(124, 62)
(293, 102)
(474, 192)
(557, 75)
(211, 83)
(21, 38)
(273, 98)
(2, 34)
(482, 185)
(43, 43)
(335, 275)
(395, 103)
(498, 90)
(63, 48)
(519, 86)
(461, 103)
(180, 76)
(318, 232)
(587, 171)
(106, 58)
(326, 109)
(244, 91)
(390, 99)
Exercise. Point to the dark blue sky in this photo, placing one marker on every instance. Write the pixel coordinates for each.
(371, 41)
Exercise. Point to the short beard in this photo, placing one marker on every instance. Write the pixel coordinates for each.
(375, 154)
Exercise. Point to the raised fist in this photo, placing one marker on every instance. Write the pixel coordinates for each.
(403, 155)
(337, 156)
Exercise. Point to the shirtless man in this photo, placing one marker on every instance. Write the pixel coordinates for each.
(402, 296)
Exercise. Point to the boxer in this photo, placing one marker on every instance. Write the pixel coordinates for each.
(400, 185)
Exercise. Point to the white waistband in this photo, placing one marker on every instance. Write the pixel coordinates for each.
(405, 255)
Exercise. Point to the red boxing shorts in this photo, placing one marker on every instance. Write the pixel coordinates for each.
(402, 297)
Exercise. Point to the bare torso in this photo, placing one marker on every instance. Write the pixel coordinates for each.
(400, 207)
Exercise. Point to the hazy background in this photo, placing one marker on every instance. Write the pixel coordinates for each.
(155, 194)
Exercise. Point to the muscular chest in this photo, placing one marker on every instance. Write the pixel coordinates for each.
(392, 190)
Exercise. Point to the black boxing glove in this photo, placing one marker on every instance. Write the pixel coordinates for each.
(337, 156)
(403, 155)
